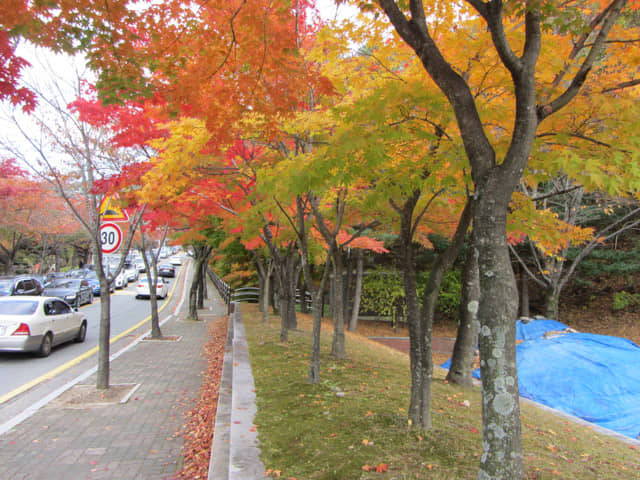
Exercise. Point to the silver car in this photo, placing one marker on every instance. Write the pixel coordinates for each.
(37, 324)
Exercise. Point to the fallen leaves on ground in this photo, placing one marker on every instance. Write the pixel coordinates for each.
(380, 468)
(198, 430)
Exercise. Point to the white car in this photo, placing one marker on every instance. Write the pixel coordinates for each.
(130, 271)
(37, 324)
(121, 280)
(176, 260)
(143, 291)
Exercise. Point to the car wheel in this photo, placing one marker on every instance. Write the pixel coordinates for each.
(82, 333)
(45, 346)
(90, 298)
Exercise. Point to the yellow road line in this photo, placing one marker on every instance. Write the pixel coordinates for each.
(49, 375)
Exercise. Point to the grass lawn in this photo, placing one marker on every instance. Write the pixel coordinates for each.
(353, 424)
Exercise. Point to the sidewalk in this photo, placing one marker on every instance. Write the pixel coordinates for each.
(132, 440)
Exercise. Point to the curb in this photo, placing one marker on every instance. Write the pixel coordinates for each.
(235, 452)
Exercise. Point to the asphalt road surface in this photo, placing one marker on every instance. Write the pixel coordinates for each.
(19, 372)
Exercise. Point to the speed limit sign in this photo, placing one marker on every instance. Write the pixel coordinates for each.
(110, 237)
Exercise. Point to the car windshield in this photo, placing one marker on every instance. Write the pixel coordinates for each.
(18, 307)
(66, 283)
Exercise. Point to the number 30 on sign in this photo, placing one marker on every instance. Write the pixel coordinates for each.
(110, 237)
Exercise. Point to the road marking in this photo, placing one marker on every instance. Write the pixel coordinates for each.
(61, 368)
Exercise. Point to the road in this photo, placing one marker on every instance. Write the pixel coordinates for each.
(19, 372)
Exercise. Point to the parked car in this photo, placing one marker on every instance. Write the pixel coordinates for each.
(36, 324)
(79, 273)
(166, 270)
(20, 285)
(139, 263)
(143, 290)
(130, 271)
(176, 260)
(52, 276)
(75, 291)
(94, 283)
(120, 281)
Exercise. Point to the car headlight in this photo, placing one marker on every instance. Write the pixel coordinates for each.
(70, 297)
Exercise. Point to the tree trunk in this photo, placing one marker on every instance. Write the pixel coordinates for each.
(338, 348)
(104, 333)
(262, 274)
(524, 294)
(274, 297)
(286, 275)
(301, 296)
(156, 333)
(443, 262)
(151, 269)
(552, 301)
(348, 286)
(283, 304)
(284, 268)
(357, 294)
(501, 432)
(152, 276)
(202, 284)
(265, 296)
(464, 350)
(416, 345)
(196, 292)
(193, 292)
(314, 362)
(293, 275)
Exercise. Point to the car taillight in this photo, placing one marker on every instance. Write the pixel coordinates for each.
(140, 285)
(23, 329)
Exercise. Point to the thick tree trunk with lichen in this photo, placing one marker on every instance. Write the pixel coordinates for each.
(498, 309)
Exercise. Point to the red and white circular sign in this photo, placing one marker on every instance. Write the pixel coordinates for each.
(110, 237)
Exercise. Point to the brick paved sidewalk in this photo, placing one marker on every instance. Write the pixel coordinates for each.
(132, 440)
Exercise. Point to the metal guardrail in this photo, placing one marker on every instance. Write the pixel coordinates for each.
(308, 299)
(223, 289)
(246, 294)
(250, 294)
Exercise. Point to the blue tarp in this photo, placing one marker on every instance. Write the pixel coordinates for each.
(532, 329)
(593, 377)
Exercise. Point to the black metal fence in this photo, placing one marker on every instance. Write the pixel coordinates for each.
(223, 288)
(252, 294)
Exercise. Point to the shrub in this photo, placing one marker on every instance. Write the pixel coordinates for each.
(382, 291)
(450, 293)
(622, 300)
